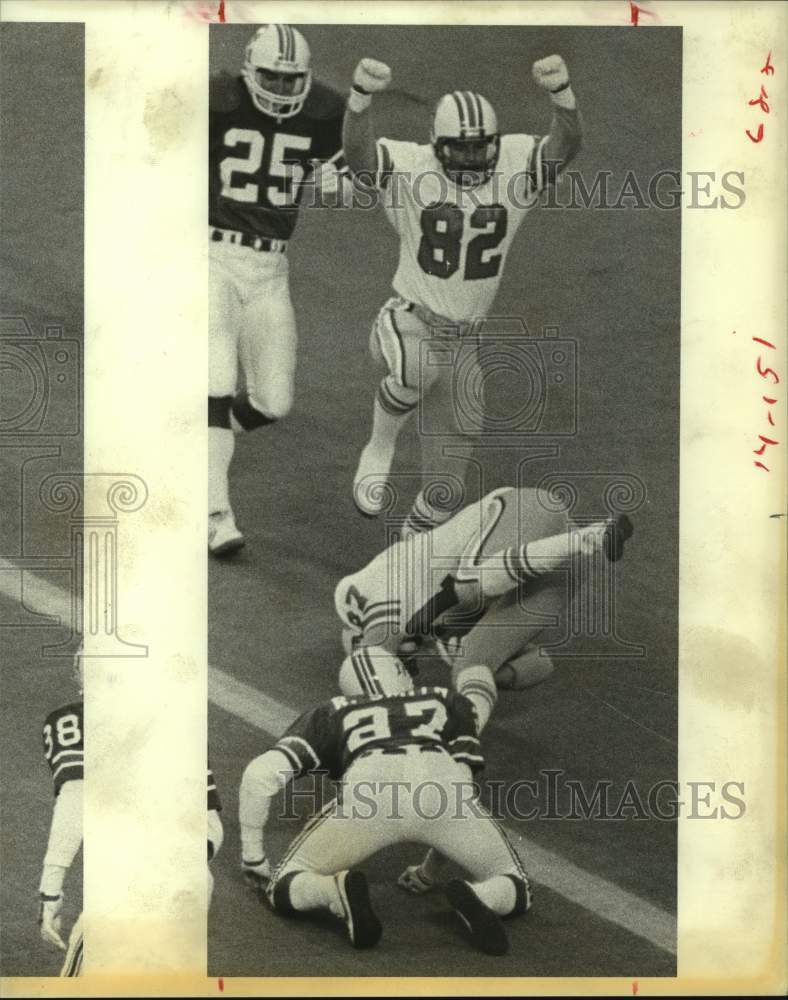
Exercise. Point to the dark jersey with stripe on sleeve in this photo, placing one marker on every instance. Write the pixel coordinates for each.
(64, 747)
(332, 735)
(259, 164)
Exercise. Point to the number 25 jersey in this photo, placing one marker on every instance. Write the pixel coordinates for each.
(454, 241)
(258, 165)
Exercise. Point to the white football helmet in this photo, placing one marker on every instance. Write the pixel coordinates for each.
(465, 137)
(276, 70)
(372, 670)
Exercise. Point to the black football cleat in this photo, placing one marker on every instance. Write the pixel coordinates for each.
(363, 927)
(618, 531)
(485, 927)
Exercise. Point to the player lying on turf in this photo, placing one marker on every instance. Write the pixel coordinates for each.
(385, 732)
(269, 129)
(497, 574)
(456, 204)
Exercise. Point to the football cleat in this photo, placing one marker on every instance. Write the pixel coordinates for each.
(363, 927)
(484, 926)
(276, 70)
(617, 532)
(371, 491)
(224, 538)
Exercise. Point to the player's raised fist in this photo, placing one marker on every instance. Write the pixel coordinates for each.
(371, 75)
(551, 73)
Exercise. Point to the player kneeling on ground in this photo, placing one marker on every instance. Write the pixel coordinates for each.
(384, 733)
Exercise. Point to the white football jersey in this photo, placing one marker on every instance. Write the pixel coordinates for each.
(411, 583)
(454, 241)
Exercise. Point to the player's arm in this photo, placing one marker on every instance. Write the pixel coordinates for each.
(298, 752)
(65, 838)
(358, 134)
(564, 139)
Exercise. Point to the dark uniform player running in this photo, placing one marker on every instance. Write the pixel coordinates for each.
(405, 757)
(273, 131)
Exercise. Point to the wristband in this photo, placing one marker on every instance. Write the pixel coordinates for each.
(358, 100)
(49, 899)
(563, 97)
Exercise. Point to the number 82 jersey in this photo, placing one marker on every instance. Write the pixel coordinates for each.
(64, 746)
(454, 241)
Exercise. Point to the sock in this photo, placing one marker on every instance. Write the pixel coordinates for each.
(221, 444)
(424, 515)
(477, 684)
(549, 554)
(497, 893)
(393, 405)
(309, 891)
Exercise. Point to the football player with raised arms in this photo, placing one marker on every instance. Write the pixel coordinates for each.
(455, 204)
(273, 132)
(381, 737)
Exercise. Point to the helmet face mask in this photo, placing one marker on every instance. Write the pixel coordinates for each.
(468, 162)
(276, 70)
(465, 138)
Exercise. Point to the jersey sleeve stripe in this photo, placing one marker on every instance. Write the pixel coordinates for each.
(66, 753)
(463, 739)
(300, 742)
(62, 767)
(294, 759)
(385, 166)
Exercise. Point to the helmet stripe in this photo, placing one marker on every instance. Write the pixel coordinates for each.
(375, 685)
(282, 41)
(480, 110)
(460, 111)
(473, 119)
(290, 43)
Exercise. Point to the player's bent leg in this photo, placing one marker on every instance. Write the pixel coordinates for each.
(395, 338)
(345, 895)
(223, 328)
(268, 348)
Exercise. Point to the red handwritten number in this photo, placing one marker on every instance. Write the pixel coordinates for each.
(766, 372)
(767, 68)
(221, 18)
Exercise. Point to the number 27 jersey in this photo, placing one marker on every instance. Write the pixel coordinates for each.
(454, 241)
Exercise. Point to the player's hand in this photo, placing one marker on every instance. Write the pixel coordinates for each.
(257, 874)
(551, 73)
(49, 920)
(415, 880)
(371, 76)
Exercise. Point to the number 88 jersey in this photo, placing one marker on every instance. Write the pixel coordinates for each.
(259, 165)
(454, 241)
(64, 747)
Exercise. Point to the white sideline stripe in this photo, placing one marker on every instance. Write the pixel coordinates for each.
(593, 893)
